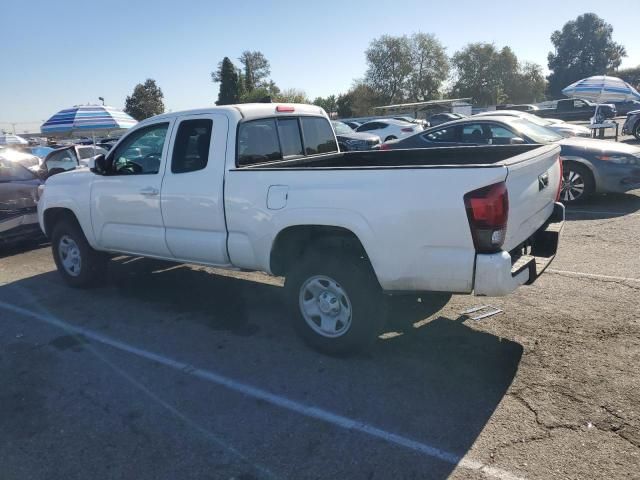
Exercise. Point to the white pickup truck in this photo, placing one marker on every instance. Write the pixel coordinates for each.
(263, 187)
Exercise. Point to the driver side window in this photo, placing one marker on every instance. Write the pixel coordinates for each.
(141, 152)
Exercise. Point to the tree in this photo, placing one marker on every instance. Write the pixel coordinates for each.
(630, 75)
(475, 73)
(145, 101)
(584, 47)
(430, 67)
(343, 106)
(389, 67)
(227, 76)
(256, 69)
(490, 76)
(291, 95)
(329, 104)
(406, 68)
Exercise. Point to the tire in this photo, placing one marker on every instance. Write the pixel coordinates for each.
(636, 131)
(577, 183)
(79, 265)
(345, 310)
(390, 137)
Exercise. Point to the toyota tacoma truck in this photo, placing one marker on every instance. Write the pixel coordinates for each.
(263, 187)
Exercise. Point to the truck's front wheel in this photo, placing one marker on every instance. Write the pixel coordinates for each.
(335, 302)
(78, 263)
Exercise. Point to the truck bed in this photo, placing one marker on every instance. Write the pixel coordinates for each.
(471, 156)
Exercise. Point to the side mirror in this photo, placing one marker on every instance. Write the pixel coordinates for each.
(98, 164)
(517, 141)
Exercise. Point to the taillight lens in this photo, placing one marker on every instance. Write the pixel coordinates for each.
(385, 146)
(488, 211)
(407, 129)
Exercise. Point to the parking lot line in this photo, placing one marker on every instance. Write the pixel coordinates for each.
(592, 275)
(274, 399)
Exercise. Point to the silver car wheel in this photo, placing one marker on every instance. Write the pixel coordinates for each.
(325, 306)
(70, 256)
(573, 186)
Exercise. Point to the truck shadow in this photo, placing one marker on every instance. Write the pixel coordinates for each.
(438, 384)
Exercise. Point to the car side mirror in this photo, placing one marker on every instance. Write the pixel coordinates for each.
(517, 141)
(98, 164)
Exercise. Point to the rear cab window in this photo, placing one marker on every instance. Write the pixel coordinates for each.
(282, 138)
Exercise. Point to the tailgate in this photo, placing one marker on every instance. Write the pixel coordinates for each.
(532, 184)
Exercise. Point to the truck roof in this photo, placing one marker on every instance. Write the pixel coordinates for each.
(250, 110)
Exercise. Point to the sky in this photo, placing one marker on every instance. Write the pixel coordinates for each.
(56, 54)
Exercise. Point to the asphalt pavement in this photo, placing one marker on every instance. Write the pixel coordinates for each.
(183, 372)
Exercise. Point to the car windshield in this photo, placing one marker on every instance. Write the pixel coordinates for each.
(535, 132)
(535, 119)
(342, 128)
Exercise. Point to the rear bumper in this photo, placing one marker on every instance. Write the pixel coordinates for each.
(499, 274)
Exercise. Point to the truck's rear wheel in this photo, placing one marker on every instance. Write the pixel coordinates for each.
(335, 302)
(78, 264)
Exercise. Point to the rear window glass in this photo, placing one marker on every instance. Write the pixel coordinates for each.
(258, 142)
(13, 171)
(318, 136)
(271, 139)
(290, 137)
(191, 150)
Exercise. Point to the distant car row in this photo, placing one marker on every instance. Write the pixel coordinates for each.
(589, 165)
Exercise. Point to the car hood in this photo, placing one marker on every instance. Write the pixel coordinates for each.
(358, 136)
(78, 176)
(598, 145)
(634, 112)
(570, 127)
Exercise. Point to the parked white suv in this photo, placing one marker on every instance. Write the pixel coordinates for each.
(263, 187)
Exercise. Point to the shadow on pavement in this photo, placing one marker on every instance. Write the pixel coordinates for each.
(22, 246)
(438, 382)
(604, 206)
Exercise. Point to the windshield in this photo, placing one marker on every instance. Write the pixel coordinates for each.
(535, 119)
(342, 128)
(535, 132)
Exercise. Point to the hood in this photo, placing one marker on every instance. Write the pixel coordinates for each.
(357, 136)
(634, 112)
(595, 145)
(72, 177)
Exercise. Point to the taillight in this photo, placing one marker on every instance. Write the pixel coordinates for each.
(285, 108)
(407, 129)
(488, 211)
(385, 146)
(559, 181)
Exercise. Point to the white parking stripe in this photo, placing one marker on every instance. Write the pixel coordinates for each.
(277, 400)
(592, 275)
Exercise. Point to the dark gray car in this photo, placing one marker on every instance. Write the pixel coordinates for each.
(632, 124)
(18, 201)
(589, 165)
(350, 140)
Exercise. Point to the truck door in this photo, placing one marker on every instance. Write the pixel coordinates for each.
(125, 203)
(192, 190)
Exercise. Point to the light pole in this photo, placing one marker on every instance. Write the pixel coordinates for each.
(101, 98)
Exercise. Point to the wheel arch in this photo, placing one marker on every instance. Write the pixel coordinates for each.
(585, 163)
(293, 241)
(54, 215)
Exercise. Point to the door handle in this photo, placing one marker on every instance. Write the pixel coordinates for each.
(150, 191)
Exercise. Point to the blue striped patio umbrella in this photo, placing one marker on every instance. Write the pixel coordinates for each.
(602, 88)
(87, 120)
